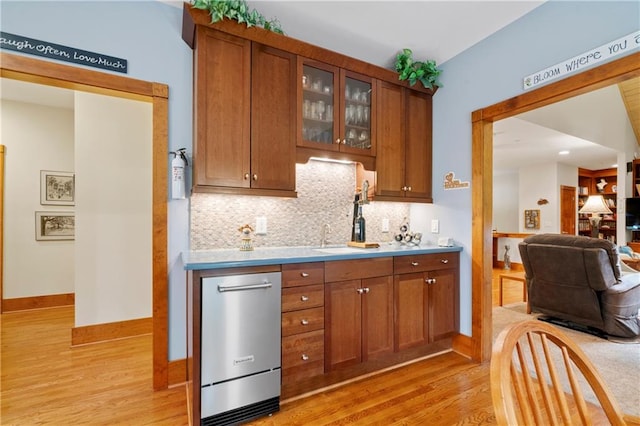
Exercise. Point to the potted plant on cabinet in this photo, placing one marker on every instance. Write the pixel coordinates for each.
(237, 10)
(425, 72)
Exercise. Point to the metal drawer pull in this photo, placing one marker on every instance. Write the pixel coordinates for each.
(304, 357)
(304, 322)
(304, 298)
(430, 280)
(222, 288)
(304, 274)
(445, 261)
(414, 263)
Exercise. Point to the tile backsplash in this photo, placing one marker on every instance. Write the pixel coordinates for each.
(325, 196)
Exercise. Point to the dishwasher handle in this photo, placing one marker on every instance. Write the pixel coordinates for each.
(222, 288)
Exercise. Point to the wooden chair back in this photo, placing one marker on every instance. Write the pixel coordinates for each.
(539, 376)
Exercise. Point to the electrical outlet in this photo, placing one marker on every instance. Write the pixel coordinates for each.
(261, 225)
(385, 225)
(435, 226)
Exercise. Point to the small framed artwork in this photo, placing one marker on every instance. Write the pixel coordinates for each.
(532, 219)
(57, 188)
(51, 226)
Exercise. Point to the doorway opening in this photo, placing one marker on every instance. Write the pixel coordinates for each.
(48, 73)
(482, 197)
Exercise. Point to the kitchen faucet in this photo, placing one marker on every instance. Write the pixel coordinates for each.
(326, 230)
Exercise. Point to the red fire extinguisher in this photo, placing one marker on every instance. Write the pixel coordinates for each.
(178, 165)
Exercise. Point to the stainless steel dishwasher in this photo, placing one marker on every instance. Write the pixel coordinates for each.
(240, 347)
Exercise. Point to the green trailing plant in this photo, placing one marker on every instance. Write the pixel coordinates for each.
(425, 72)
(238, 10)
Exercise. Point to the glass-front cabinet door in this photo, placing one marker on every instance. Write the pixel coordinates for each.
(335, 109)
(318, 108)
(357, 125)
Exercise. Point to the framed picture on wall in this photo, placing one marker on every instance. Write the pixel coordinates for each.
(51, 226)
(57, 188)
(532, 219)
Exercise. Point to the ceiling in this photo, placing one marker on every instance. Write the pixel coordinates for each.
(374, 31)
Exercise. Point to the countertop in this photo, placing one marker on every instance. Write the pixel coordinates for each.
(230, 258)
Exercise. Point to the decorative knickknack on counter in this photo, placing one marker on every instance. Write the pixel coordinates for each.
(246, 244)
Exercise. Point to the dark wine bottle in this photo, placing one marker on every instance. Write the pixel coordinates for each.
(360, 227)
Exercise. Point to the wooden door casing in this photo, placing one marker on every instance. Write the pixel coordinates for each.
(568, 210)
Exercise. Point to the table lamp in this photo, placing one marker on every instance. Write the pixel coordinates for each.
(596, 206)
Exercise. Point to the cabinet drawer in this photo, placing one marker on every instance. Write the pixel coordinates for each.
(356, 269)
(302, 321)
(424, 262)
(303, 355)
(296, 298)
(296, 274)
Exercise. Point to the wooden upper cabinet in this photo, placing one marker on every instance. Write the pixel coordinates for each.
(222, 97)
(273, 119)
(245, 116)
(390, 160)
(335, 109)
(404, 155)
(418, 157)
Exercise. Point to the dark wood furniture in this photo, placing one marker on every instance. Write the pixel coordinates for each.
(587, 185)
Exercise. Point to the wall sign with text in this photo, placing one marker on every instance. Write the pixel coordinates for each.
(614, 48)
(45, 49)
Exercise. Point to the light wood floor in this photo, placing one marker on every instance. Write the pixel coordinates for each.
(44, 380)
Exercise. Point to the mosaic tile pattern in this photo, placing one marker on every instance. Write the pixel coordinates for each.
(325, 196)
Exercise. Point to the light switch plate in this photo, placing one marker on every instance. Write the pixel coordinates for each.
(261, 225)
(435, 226)
(385, 225)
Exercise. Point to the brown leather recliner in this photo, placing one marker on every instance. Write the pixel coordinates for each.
(580, 279)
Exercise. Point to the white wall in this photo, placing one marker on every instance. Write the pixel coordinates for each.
(36, 138)
(535, 182)
(113, 210)
(505, 202)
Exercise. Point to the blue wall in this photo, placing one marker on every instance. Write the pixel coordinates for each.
(148, 34)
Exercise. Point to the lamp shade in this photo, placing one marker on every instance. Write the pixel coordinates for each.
(595, 205)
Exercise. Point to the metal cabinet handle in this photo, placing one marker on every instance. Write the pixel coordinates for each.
(246, 176)
(222, 288)
(305, 357)
(304, 322)
(430, 280)
(338, 140)
(344, 141)
(366, 289)
(408, 188)
(414, 263)
(404, 188)
(360, 290)
(255, 177)
(304, 274)
(304, 298)
(445, 261)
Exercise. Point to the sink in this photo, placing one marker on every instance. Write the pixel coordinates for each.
(340, 250)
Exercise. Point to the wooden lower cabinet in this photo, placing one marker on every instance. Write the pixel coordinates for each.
(341, 319)
(426, 301)
(358, 313)
(302, 321)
